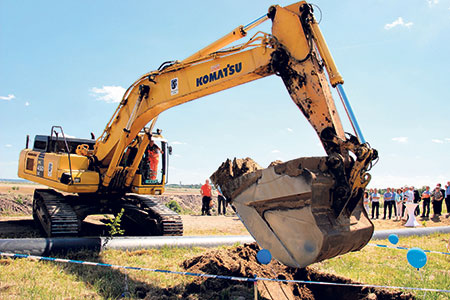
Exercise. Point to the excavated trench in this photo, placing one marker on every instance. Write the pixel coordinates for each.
(242, 262)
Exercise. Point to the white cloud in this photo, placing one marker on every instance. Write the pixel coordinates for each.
(437, 141)
(8, 145)
(447, 139)
(27, 103)
(432, 2)
(7, 98)
(110, 94)
(275, 151)
(289, 129)
(400, 139)
(398, 22)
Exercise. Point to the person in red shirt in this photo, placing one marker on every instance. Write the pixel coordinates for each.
(153, 152)
(205, 191)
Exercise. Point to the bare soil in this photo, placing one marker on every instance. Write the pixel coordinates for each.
(242, 262)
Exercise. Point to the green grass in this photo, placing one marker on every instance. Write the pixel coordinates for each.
(27, 279)
(381, 266)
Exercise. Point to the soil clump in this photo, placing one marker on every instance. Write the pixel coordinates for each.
(242, 262)
(235, 176)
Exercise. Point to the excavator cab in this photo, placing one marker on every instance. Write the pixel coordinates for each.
(151, 175)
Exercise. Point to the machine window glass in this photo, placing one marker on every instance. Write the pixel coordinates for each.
(152, 164)
(40, 145)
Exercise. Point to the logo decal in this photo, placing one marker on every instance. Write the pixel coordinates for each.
(50, 169)
(217, 73)
(174, 86)
(40, 165)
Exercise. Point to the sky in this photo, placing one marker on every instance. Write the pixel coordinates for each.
(68, 63)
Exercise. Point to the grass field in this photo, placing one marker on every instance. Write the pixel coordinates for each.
(26, 279)
(382, 266)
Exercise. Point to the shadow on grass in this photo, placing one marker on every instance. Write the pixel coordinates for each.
(106, 282)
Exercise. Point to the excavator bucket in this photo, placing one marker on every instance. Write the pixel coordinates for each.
(287, 208)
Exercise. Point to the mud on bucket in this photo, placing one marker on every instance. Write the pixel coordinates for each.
(287, 209)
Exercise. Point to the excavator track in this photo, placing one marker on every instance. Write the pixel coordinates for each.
(55, 216)
(165, 221)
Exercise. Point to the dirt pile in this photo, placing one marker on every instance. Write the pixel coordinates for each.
(189, 203)
(242, 262)
(15, 204)
(230, 175)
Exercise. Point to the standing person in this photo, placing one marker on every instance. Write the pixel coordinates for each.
(408, 197)
(205, 191)
(221, 202)
(416, 200)
(388, 203)
(447, 198)
(399, 204)
(366, 201)
(153, 152)
(437, 197)
(426, 195)
(393, 202)
(375, 203)
(443, 195)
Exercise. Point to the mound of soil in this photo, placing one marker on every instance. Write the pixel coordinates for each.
(189, 203)
(230, 175)
(242, 262)
(15, 204)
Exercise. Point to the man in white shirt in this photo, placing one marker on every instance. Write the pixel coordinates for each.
(409, 195)
(375, 203)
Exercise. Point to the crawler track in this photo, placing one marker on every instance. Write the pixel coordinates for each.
(59, 216)
(56, 217)
(167, 221)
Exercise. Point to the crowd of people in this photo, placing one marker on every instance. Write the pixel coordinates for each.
(395, 200)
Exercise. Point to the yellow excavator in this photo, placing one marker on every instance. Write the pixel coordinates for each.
(303, 211)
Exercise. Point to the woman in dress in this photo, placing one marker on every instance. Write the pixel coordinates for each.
(399, 204)
(366, 201)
